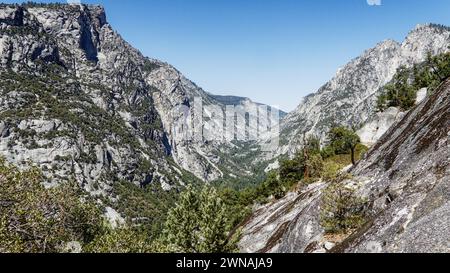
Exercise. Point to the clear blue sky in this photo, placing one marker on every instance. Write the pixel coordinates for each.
(273, 51)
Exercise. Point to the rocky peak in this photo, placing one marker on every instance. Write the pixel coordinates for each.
(82, 89)
(424, 39)
(117, 80)
(81, 24)
(349, 98)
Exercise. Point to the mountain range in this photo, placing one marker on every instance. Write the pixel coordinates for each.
(80, 103)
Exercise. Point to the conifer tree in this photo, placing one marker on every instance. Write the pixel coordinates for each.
(199, 223)
(344, 140)
(341, 209)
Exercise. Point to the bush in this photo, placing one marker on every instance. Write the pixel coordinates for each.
(35, 219)
(341, 210)
(330, 170)
(315, 166)
(273, 187)
(121, 240)
(291, 171)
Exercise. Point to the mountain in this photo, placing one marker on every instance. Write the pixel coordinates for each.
(237, 101)
(350, 97)
(80, 102)
(405, 179)
(75, 101)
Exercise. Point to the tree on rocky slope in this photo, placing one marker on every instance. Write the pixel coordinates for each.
(341, 209)
(344, 140)
(402, 90)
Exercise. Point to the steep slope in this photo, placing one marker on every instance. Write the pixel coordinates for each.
(176, 98)
(406, 179)
(79, 100)
(69, 110)
(349, 98)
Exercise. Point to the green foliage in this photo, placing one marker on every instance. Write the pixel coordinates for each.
(36, 219)
(344, 141)
(199, 223)
(149, 65)
(120, 240)
(146, 208)
(341, 210)
(315, 166)
(331, 170)
(236, 204)
(236, 163)
(291, 171)
(309, 165)
(402, 91)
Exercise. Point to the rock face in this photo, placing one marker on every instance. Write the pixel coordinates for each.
(406, 179)
(407, 176)
(349, 98)
(74, 100)
(77, 100)
(270, 226)
(378, 125)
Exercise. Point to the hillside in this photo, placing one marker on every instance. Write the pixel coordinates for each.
(350, 97)
(115, 103)
(404, 179)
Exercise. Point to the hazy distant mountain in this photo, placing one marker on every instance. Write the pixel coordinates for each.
(234, 100)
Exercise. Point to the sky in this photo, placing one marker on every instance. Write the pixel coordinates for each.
(272, 51)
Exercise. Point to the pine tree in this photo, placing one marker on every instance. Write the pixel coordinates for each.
(341, 209)
(199, 223)
(182, 223)
(213, 224)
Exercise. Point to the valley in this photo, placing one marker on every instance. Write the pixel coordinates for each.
(95, 144)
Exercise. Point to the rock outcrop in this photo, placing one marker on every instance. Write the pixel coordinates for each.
(406, 179)
(378, 125)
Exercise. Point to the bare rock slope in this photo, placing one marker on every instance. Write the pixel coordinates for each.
(405, 177)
